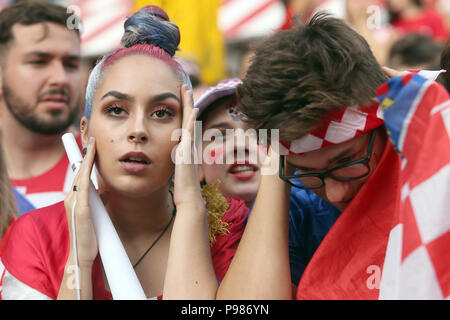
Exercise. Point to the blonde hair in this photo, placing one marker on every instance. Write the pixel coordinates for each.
(7, 203)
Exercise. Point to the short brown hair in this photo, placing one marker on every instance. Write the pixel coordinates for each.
(297, 76)
(29, 12)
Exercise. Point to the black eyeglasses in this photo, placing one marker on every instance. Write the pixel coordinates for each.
(350, 171)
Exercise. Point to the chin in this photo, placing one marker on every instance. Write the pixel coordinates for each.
(137, 187)
(246, 193)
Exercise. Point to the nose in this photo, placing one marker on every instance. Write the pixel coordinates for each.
(58, 74)
(138, 132)
(336, 191)
(245, 142)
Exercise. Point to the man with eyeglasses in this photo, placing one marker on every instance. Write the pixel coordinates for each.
(337, 173)
(360, 156)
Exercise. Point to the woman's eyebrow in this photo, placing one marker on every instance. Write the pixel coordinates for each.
(220, 125)
(164, 96)
(126, 97)
(118, 95)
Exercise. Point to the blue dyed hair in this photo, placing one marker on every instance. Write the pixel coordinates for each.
(161, 33)
(148, 31)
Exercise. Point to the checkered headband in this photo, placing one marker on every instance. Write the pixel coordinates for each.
(339, 126)
(342, 125)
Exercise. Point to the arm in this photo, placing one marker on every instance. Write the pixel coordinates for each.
(86, 242)
(190, 273)
(68, 289)
(260, 267)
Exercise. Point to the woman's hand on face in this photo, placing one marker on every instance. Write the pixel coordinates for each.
(187, 184)
(87, 247)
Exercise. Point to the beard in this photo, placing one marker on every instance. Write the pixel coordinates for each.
(24, 114)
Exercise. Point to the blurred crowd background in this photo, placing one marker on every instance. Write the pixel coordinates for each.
(217, 36)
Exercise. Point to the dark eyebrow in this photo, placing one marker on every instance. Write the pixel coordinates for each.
(220, 125)
(47, 55)
(118, 95)
(302, 168)
(126, 97)
(38, 53)
(72, 57)
(164, 96)
(340, 155)
(330, 161)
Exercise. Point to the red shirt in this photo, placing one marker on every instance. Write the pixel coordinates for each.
(38, 248)
(49, 187)
(430, 22)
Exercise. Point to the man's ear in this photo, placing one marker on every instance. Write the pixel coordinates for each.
(84, 132)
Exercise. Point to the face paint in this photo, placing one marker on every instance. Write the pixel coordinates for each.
(233, 112)
(214, 155)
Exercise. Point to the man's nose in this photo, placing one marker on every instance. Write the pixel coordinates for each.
(336, 191)
(58, 74)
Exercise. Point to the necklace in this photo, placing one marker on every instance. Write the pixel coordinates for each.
(174, 211)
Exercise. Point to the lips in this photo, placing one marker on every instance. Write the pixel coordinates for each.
(55, 101)
(135, 162)
(243, 171)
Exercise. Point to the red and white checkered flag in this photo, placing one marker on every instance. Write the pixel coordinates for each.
(417, 264)
(393, 240)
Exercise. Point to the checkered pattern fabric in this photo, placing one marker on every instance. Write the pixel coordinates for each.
(417, 263)
(222, 89)
(340, 126)
(392, 240)
(343, 125)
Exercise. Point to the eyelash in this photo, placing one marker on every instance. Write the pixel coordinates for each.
(114, 107)
(38, 62)
(111, 109)
(166, 110)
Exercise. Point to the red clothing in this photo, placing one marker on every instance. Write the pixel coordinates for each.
(223, 250)
(50, 187)
(364, 255)
(430, 22)
(5, 237)
(364, 232)
(38, 247)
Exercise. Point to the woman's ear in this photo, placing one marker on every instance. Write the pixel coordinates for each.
(84, 132)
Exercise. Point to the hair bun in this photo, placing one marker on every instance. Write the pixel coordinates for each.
(151, 25)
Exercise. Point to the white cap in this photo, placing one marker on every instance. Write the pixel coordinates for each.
(212, 94)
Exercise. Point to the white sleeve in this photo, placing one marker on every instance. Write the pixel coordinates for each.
(13, 289)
